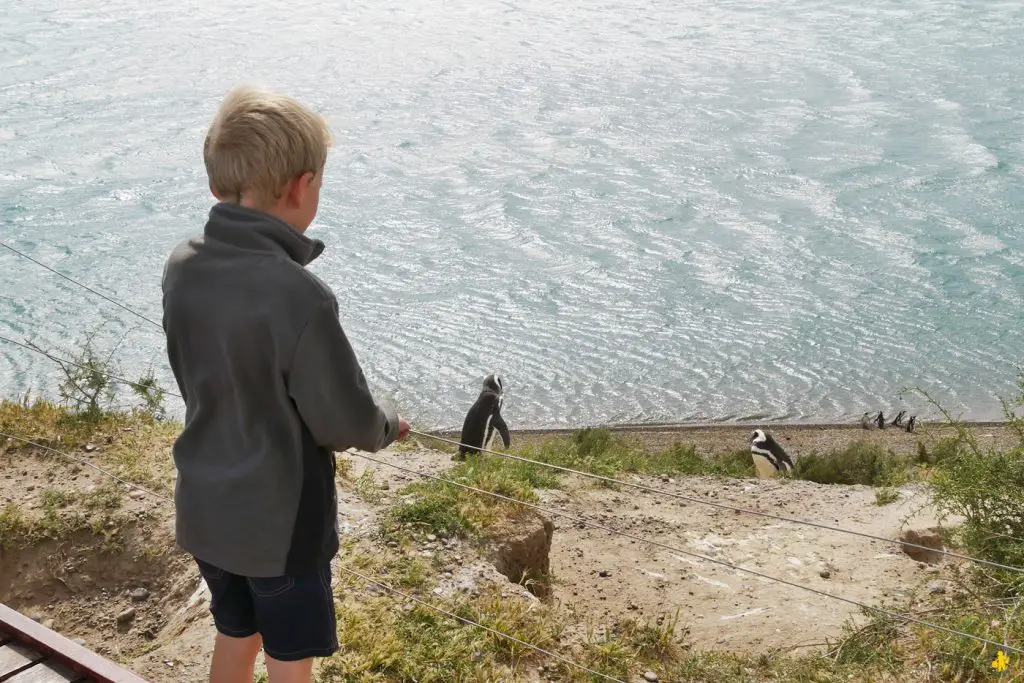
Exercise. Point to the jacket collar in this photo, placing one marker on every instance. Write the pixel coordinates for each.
(255, 230)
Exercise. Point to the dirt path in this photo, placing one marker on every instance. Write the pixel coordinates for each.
(599, 579)
(606, 579)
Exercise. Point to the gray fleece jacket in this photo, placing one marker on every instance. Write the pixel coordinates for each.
(272, 388)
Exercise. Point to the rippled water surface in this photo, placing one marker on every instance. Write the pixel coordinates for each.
(636, 211)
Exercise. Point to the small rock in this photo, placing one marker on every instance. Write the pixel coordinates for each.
(825, 574)
(936, 588)
(126, 616)
(137, 493)
(47, 623)
(90, 447)
(384, 486)
(604, 573)
(651, 676)
(140, 594)
(431, 537)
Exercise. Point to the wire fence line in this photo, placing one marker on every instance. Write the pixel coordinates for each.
(64, 361)
(162, 499)
(689, 499)
(470, 622)
(620, 482)
(664, 546)
(723, 506)
(83, 286)
(608, 480)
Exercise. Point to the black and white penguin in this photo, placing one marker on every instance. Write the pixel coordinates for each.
(898, 420)
(880, 420)
(911, 423)
(866, 422)
(484, 419)
(769, 457)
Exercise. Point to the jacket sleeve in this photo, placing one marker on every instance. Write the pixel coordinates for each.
(330, 391)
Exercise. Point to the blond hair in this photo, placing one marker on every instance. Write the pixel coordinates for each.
(260, 141)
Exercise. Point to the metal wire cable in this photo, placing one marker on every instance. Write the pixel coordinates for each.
(723, 506)
(640, 487)
(470, 622)
(664, 546)
(58, 359)
(542, 464)
(610, 480)
(87, 463)
(83, 286)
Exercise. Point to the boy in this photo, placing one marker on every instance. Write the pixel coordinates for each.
(272, 388)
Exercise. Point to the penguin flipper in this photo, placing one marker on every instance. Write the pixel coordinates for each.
(502, 428)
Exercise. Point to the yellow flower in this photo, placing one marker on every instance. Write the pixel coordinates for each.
(1001, 662)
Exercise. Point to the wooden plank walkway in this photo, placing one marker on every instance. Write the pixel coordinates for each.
(32, 653)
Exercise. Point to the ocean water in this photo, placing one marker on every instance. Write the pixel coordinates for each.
(635, 211)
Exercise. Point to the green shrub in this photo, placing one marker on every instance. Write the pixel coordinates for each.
(859, 463)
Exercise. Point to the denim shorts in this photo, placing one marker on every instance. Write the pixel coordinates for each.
(294, 614)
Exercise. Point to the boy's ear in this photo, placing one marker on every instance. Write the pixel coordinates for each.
(214, 192)
(296, 189)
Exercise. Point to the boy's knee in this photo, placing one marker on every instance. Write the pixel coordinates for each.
(300, 671)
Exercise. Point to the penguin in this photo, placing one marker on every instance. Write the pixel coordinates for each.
(484, 419)
(880, 420)
(911, 423)
(866, 422)
(769, 457)
(898, 420)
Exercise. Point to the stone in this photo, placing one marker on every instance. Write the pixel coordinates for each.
(929, 538)
(936, 588)
(126, 616)
(90, 447)
(140, 594)
(651, 676)
(520, 549)
(604, 573)
(825, 574)
(137, 494)
(431, 538)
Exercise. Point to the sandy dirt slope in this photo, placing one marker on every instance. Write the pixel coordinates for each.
(600, 578)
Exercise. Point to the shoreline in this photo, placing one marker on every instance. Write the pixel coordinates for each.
(797, 438)
(683, 427)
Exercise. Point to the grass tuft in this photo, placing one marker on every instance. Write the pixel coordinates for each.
(859, 463)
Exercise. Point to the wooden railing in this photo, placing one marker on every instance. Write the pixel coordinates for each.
(32, 653)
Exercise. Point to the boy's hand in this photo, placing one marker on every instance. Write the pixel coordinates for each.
(403, 429)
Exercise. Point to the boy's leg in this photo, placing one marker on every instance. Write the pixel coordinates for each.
(238, 642)
(289, 672)
(295, 616)
(234, 659)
